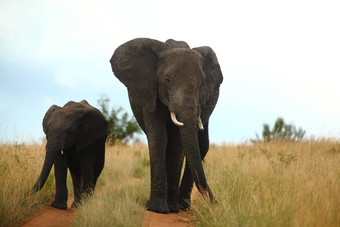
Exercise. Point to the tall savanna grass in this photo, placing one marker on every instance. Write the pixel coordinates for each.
(273, 184)
(122, 189)
(121, 192)
(262, 184)
(20, 166)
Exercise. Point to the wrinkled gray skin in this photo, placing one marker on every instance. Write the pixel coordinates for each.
(163, 78)
(76, 135)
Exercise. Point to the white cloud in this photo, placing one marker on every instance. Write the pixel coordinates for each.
(284, 51)
(65, 80)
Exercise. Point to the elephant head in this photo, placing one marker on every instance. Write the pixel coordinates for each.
(185, 80)
(73, 126)
(171, 71)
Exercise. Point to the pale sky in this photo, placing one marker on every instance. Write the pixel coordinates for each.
(278, 59)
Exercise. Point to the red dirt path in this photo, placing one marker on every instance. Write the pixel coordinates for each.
(50, 216)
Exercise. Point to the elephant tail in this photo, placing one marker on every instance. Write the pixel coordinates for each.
(48, 163)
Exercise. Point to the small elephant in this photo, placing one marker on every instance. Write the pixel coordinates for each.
(173, 90)
(76, 135)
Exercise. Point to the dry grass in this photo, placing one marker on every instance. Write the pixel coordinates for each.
(273, 184)
(122, 190)
(264, 184)
(20, 166)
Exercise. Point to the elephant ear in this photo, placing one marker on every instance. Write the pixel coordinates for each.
(48, 115)
(93, 126)
(134, 63)
(209, 92)
(210, 65)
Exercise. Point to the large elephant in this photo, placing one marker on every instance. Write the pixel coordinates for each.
(76, 135)
(173, 90)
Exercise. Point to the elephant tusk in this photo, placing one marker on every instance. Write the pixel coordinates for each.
(200, 125)
(174, 119)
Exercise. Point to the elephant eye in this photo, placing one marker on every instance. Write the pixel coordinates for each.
(167, 79)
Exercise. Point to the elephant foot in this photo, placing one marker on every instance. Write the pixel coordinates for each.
(75, 204)
(185, 200)
(213, 199)
(59, 204)
(173, 207)
(209, 193)
(158, 206)
(184, 204)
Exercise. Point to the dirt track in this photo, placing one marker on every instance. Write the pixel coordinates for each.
(152, 219)
(50, 216)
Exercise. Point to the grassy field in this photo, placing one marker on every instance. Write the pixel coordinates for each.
(122, 189)
(263, 184)
(20, 166)
(273, 184)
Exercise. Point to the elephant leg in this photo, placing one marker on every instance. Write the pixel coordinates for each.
(87, 174)
(75, 173)
(157, 139)
(185, 189)
(100, 146)
(88, 163)
(174, 161)
(187, 180)
(60, 173)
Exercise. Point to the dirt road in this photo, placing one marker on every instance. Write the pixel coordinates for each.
(152, 219)
(50, 216)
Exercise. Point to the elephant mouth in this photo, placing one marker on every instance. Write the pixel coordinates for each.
(180, 124)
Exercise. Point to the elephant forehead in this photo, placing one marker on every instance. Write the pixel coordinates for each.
(65, 115)
(180, 62)
(177, 54)
(76, 105)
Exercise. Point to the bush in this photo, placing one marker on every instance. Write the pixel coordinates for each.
(121, 127)
(281, 131)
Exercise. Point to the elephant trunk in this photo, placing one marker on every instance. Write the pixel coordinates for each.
(50, 157)
(192, 152)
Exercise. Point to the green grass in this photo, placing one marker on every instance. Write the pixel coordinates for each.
(264, 184)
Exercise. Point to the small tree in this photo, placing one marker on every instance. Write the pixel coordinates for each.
(281, 131)
(121, 127)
